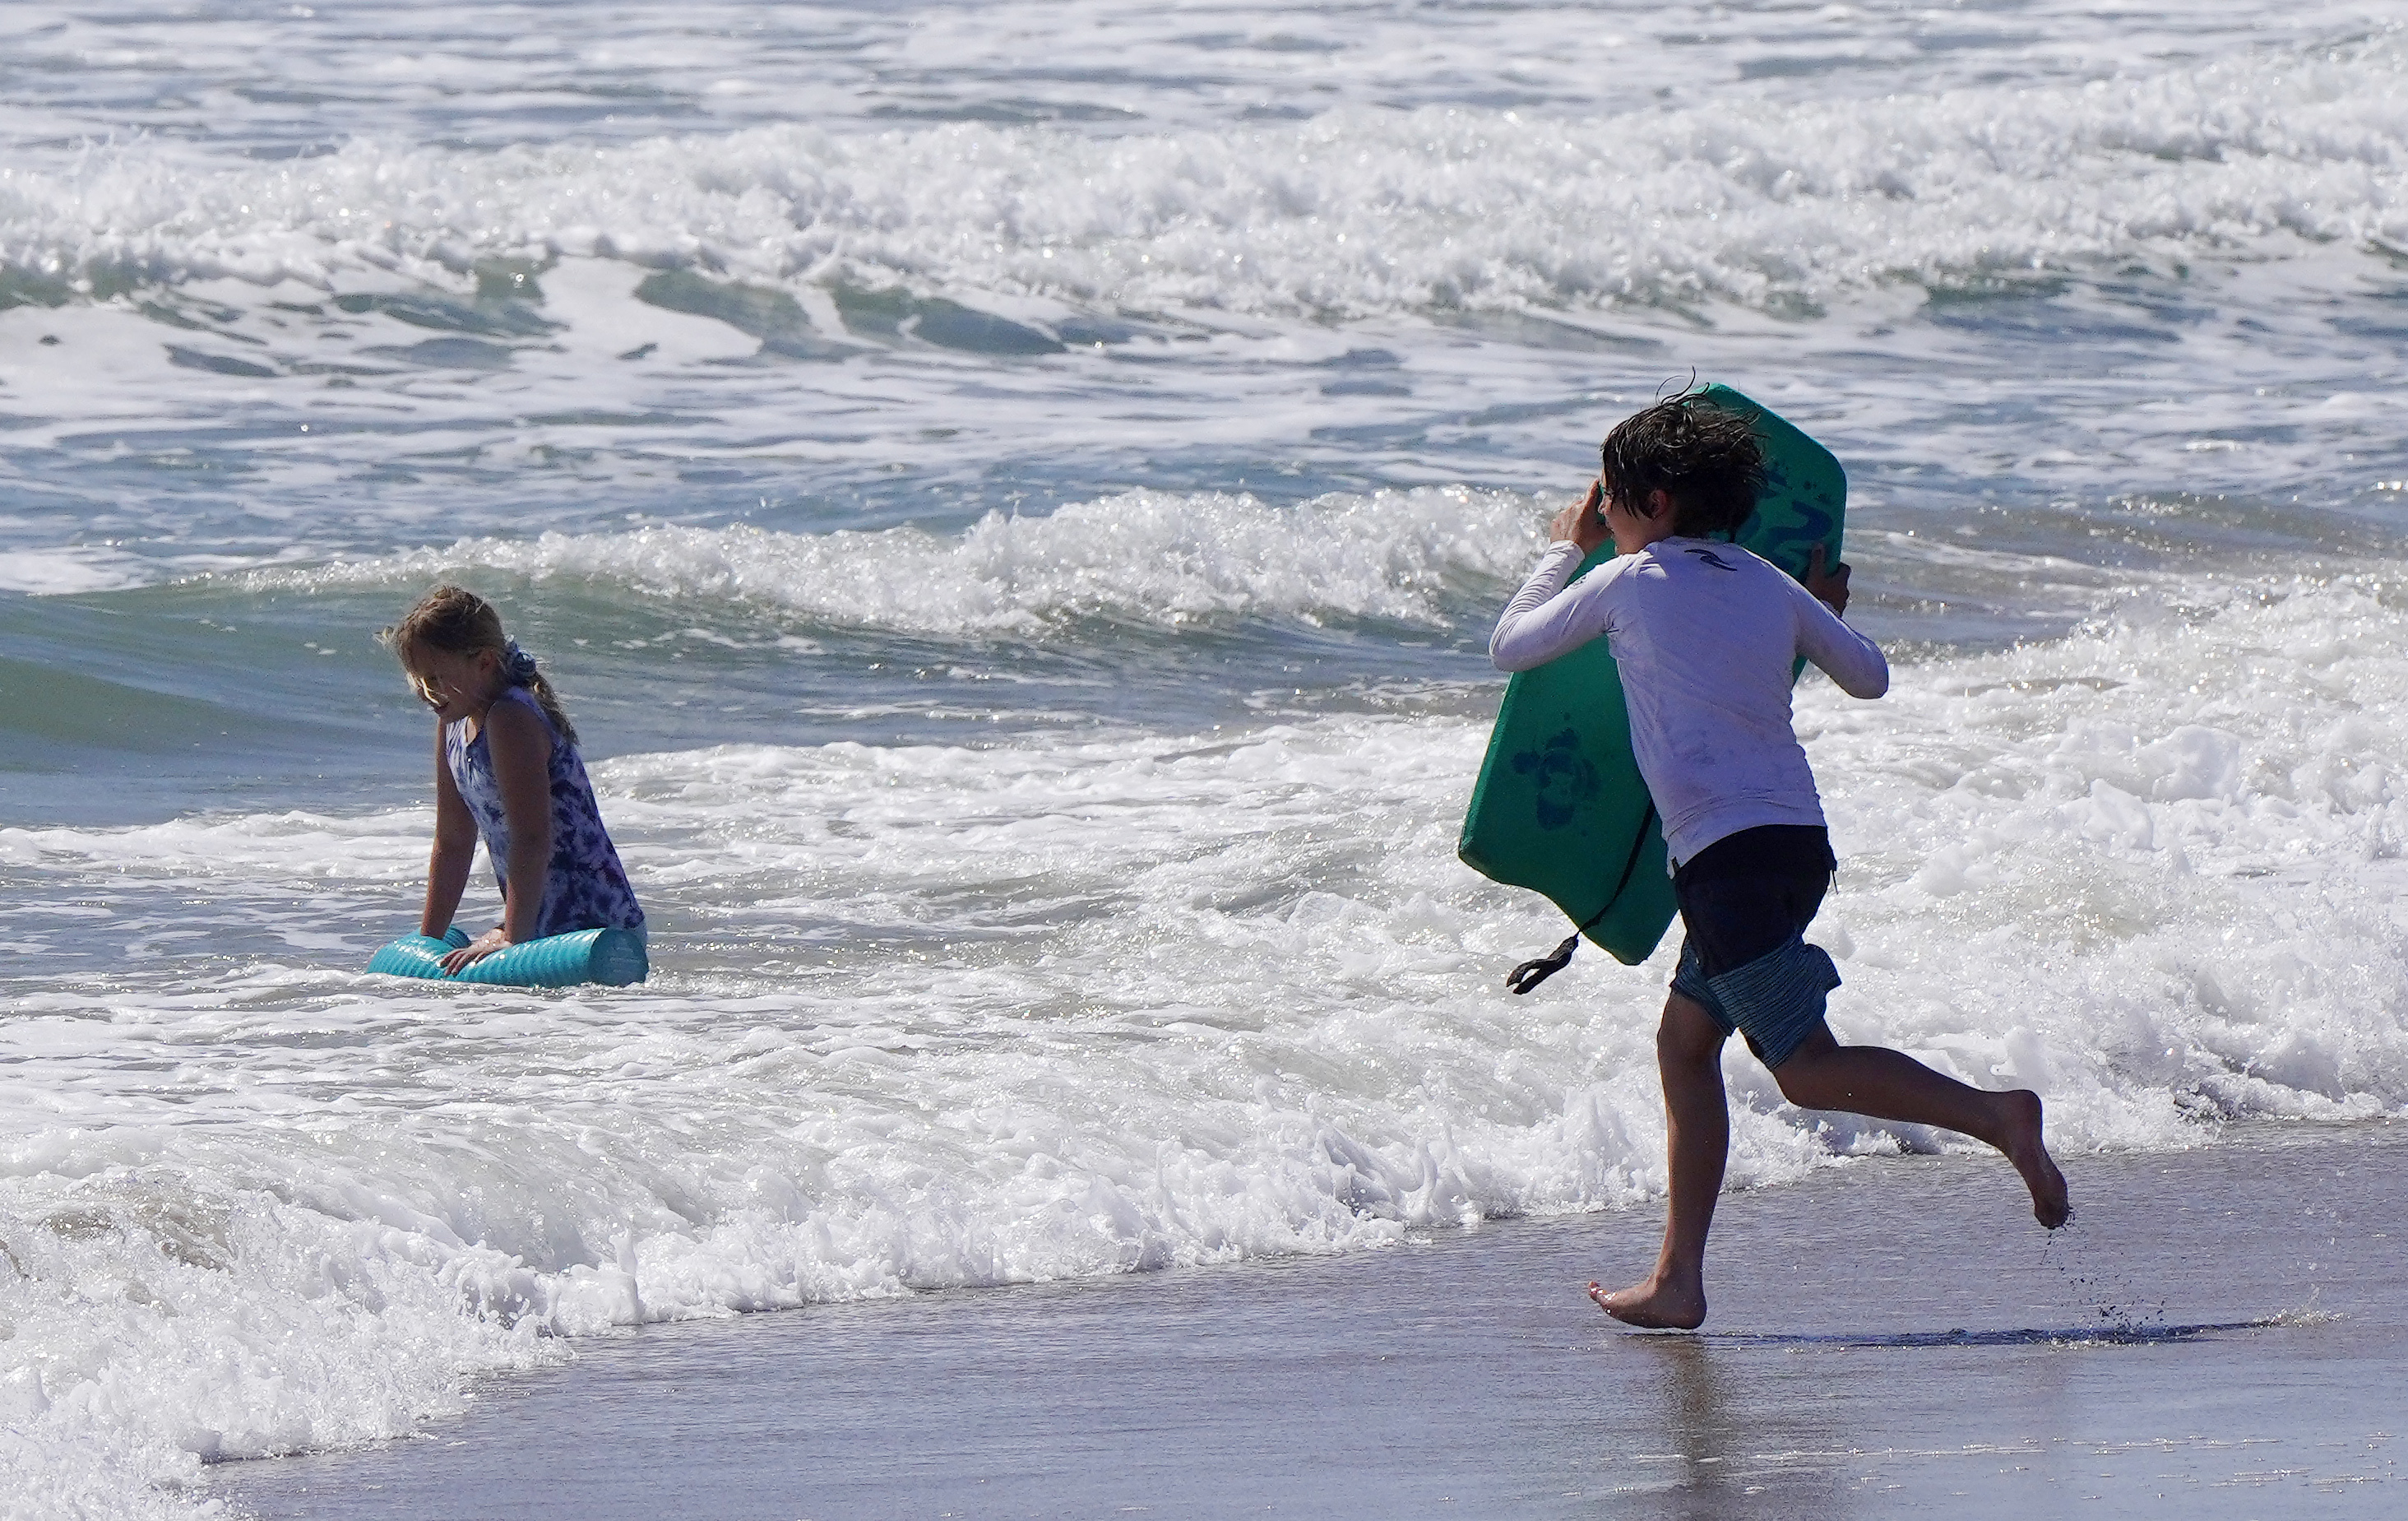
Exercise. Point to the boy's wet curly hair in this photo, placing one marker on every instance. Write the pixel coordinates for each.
(1706, 459)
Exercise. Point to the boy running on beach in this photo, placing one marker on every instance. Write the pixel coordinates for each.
(1705, 635)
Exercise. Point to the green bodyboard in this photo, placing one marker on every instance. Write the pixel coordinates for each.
(1559, 807)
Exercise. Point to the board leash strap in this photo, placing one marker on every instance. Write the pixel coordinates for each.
(1529, 974)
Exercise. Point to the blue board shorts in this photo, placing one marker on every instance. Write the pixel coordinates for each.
(1746, 901)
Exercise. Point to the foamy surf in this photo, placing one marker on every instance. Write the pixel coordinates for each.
(1355, 212)
(940, 1016)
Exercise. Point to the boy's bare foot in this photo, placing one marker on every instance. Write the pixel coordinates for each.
(1655, 1304)
(2025, 1149)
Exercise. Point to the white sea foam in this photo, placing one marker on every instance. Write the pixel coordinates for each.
(604, 74)
(2164, 851)
(938, 1016)
(1165, 559)
(1355, 212)
(52, 571)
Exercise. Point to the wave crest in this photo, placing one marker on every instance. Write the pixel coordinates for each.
(1164, 559)
(1355, 212)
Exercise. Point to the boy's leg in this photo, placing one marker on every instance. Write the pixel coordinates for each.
(1697, 1123)
(1892, 1086)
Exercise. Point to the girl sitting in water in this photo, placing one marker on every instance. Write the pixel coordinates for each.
(505, 767)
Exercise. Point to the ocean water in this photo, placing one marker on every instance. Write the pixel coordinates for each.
(1014, 496)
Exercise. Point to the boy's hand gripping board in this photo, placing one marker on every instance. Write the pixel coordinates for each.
(613, 957)
(1559, 807)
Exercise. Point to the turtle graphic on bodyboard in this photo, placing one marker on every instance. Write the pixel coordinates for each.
(1559, 807)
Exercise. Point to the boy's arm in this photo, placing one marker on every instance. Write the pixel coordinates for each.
(1545, 621)
(1846, 656)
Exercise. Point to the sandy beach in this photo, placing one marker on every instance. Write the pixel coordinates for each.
(2219, 1334)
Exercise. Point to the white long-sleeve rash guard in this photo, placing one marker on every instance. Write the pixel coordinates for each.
(1705, 633)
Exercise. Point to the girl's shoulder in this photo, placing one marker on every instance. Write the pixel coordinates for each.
(520, 705)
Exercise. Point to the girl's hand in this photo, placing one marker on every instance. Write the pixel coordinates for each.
(1583, 523)
(476, 950)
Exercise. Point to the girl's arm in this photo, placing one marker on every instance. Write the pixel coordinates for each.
(455, 849)
(520, 748)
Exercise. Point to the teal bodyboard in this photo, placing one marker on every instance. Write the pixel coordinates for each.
(1559, 807)
(613, 957)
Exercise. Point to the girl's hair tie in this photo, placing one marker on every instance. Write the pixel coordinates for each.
(517, 665)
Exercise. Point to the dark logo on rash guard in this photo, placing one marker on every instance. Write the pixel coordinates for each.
(1713, 559)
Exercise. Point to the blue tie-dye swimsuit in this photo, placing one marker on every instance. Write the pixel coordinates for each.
(585, 887)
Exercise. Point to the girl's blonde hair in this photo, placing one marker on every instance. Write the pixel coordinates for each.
(457, 621)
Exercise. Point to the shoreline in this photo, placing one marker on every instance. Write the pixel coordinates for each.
(2220, 1332)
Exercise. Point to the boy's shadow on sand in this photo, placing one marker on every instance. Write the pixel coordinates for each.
(2117, 1334)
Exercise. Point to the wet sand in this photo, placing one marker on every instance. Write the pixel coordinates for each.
(2222, 1333)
